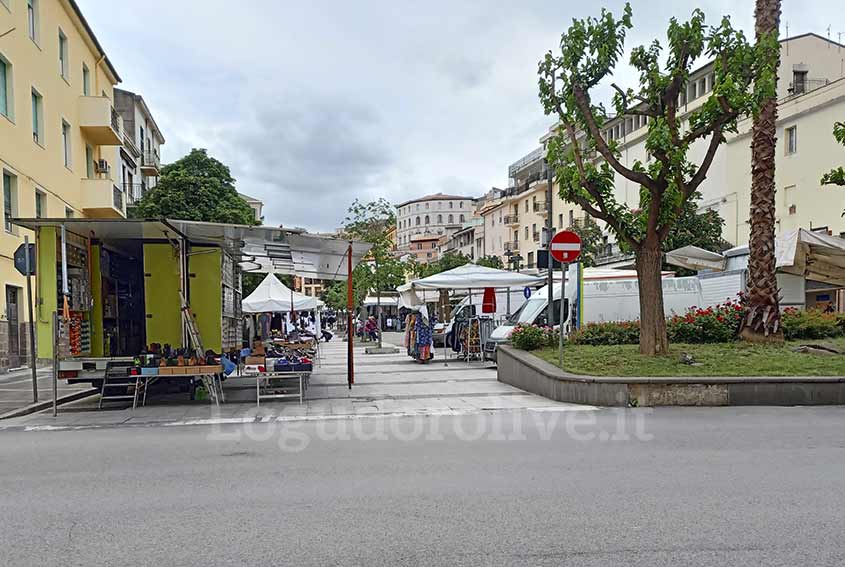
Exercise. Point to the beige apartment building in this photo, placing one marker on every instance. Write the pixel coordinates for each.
(59, 136)
(432, 215)
(811, 93)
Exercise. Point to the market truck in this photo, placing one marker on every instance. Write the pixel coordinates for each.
(470, 306)
(123, 294)
(602, 297)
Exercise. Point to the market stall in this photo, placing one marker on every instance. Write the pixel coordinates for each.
(121, 299)
(469, 333)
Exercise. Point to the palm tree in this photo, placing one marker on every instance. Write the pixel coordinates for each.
(762, 316)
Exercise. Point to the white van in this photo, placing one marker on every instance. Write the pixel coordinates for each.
(604, 300)
(465, 310)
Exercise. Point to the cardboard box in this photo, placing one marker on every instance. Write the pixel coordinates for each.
(166, 370)
(251, 360)
(211, 369)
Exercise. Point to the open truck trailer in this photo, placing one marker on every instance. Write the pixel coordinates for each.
(118, 283)
(121, 285)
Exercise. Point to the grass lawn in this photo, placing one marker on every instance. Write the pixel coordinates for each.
(727, 359)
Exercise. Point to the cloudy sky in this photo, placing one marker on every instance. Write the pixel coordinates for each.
(313, 104)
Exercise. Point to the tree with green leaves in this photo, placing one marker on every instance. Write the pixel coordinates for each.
(196, 187)
(761, 321)
(586, 161)
(592, 240)
(491, 262)
(836, 176)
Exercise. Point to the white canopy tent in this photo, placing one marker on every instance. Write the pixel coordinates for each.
(468, 276)
(271, 295)
(801, 252)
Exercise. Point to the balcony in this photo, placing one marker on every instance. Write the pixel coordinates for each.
(536, 236)
(512, 246)
(512, 219)
(540, 207)
(134, 192)
(150, 164)
(806, 85)
(99, 121)
(101, 198)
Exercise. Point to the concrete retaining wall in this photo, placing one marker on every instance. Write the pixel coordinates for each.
(528, 372)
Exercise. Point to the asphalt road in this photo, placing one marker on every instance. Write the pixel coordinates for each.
(730, 486)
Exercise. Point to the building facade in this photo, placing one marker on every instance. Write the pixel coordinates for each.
(60, 136)
(433, 215)
(811, 97)
(425, 247)
(257, 206)
(140, 163)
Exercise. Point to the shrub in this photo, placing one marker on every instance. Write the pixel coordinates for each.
(719, 324)
(532, 337)
(811, 324)
(610, 333)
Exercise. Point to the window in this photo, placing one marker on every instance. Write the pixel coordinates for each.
(427, 220)
(799, 82)
(32, 19)
(560, 220)
(68, 213)
(142, 141)
(461, 205)
(451, 219)
(433, 245)
(66, 143)
(63, 59)
(462, 218)
(526, 205)
(526, 233)
(10, 200)
(37, 118)
(439, 219)
(451, 205)
(571, 217)
(791, 140)
(86, 80)
(39, 204)
(418, 221)
(6, 104)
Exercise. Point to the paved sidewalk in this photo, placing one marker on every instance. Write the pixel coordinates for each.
(16, 388)
(385, 385)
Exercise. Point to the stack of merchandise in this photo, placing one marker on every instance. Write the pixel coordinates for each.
(419, 337)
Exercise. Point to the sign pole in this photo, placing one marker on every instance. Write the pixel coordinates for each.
(31, 322)
(350, 356)
(55, 364)
(564, 269)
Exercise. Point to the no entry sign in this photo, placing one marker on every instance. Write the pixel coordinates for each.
(565, 246)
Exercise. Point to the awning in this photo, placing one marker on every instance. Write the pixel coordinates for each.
(801, 252)
(260, 249)
(389, 301)
(695, 258)
(272, 296)
(471, 276)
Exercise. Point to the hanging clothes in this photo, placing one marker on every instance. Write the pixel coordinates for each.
(264, 320)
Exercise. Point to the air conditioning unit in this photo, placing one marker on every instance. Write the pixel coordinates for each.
(103, 167)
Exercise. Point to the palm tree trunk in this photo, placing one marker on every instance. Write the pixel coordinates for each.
(762, 316)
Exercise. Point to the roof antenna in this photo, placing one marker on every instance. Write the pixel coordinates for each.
(828, 36)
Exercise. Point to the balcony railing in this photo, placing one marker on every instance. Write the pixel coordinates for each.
(540, 207)
(117, 196)
(115, 120)
(806, 85)
(150, 161)
(513, 246)
(134, 192)
(511, 219)
(536, 236)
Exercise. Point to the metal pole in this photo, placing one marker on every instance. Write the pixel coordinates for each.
(378, 303)
(562, 312)
(549, 227)
(65, 291)
(55, 364)
(350, 358)
(31, 322)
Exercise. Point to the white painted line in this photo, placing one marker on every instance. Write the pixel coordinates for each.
(566, 246)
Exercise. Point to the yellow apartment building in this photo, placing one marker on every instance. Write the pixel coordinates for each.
(59, 137)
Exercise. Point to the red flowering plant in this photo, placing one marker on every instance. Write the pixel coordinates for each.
(532, 337)
(717, 324)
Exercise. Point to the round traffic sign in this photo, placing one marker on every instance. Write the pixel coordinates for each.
(527, 292)
(565, 246)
